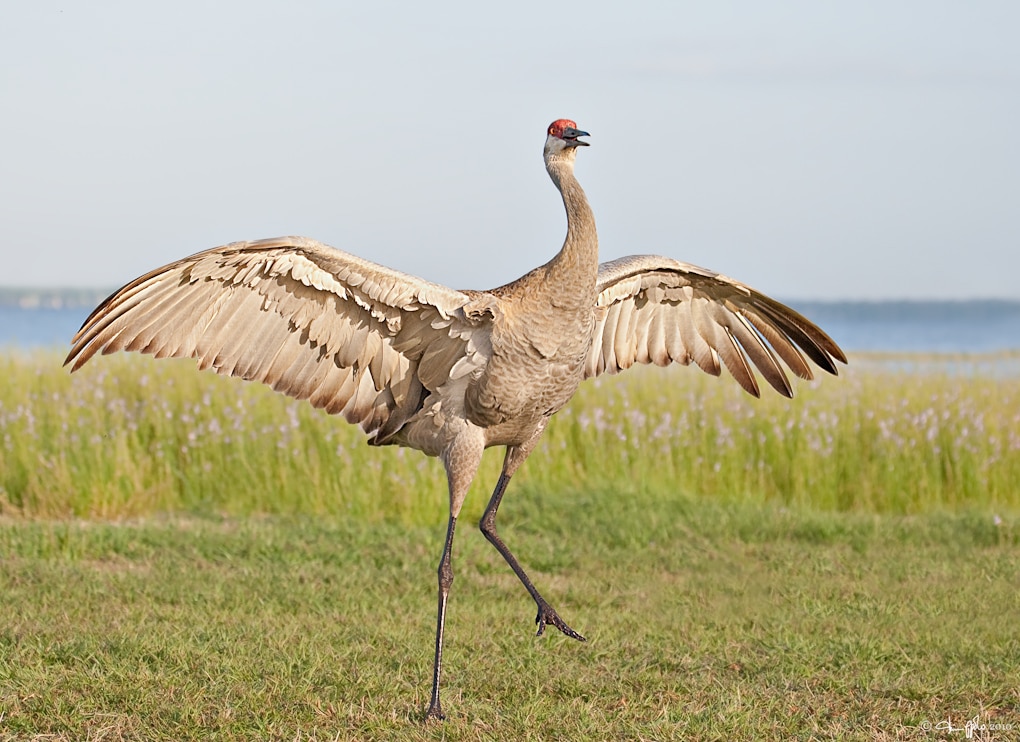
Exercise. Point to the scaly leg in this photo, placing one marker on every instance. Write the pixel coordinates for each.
(435, 710)
(546, 614)
(461, 459)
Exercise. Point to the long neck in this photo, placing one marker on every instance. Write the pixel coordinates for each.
(575, 268)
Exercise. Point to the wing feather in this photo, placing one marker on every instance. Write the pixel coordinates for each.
(593, 364)
(626, 352)
(157, 333)
(695, 344)
(603, 361)
(235, 335)
(657, 310)
(752, 344)
(657, 352)
(316, 323)
(731, 352)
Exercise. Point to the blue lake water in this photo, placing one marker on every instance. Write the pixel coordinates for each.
(929, 327)
(919, 326)
(39, 328)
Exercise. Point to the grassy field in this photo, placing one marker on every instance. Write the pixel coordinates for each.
(722, 623)
(187, 557)
(127, 436)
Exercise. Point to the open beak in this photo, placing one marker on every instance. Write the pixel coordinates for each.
(570, 136)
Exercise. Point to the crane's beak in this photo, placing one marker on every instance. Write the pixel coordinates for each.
(570, 136)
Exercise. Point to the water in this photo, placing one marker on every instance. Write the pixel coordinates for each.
(26, 329)
(914, 327)
(986, 326)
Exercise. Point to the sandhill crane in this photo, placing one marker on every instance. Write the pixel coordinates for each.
(448, 372)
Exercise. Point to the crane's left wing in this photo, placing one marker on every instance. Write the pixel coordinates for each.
(652, 309)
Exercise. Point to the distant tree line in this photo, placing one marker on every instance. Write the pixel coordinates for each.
(52, 298)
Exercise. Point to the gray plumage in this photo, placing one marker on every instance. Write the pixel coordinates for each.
(448, 372)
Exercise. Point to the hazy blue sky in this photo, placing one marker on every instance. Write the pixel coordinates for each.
(839, 149)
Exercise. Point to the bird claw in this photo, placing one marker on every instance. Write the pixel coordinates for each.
(546, 615)
(435, 713)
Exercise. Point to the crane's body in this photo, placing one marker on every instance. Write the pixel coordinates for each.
(448, 372)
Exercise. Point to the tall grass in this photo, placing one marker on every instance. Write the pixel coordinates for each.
(128, 436)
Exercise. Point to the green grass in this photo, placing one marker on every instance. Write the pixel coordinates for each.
(704, 622)
(189, 557)
(128, 436)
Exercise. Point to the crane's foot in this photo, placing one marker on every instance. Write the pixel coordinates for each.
(435, 712)
(547, 616)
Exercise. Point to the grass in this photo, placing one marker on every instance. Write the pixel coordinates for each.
(727, 622)
(127, 436)
(188, 557)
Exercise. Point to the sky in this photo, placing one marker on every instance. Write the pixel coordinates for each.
(838, 150)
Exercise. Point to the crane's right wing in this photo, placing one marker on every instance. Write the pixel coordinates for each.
(651, 309)
(316, 323)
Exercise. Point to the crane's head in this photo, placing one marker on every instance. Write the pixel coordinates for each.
(563, 139)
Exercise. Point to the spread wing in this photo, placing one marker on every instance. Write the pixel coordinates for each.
(652, 309)
(311, 321)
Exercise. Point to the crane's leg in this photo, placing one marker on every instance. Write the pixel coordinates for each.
(515, 456)
(461, 460)
(435, 710)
